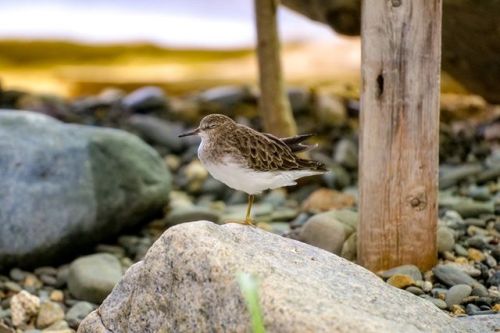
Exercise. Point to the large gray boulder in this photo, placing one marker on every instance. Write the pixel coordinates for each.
(187, 283)
(64, 187)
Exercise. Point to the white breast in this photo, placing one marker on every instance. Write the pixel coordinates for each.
(242, 178)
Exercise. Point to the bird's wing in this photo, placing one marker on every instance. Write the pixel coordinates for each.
(294, 142)
(268, 153)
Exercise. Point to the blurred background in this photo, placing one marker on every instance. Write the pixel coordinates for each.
(72, 47)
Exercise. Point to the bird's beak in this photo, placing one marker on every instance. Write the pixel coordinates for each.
(193, 132)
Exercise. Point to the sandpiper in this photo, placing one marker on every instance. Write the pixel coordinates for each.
(250, 161)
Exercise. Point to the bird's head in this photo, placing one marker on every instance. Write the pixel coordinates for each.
(209, 124)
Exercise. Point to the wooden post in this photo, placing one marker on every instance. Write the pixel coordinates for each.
(401, 54)
(274, 106)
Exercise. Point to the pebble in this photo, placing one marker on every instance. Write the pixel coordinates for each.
(476, 255)
(415, 290)
(91, 278)
(17, 275)
(325, 232)
(57, 296)
(457, 310)
(401, 281)
(23, 306)
(350, 249)
(451, 275)
(410, 270)
(145, 99)
(77, 312)
(457, 293)
(194, 213)
(460, 250)
(323, 200)
(445, 239)
(12, 286)
(472, 309)
(46, 270)
(437, 302)
(49, 313)
(115, 250)
(494, 279)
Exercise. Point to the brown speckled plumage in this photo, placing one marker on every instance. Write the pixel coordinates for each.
(258, 151)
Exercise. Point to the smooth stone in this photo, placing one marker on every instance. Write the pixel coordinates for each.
(350, 249)
(460, 250)
(23, 307)
(401, 281)
(324, 291)
(494, 280)
(491, 261)
(347, 217)
(78, 312)
(476, 255)
(57, 327)
(346, 154)
(12, 286)
(410, 270)
(49, 313)
(158, 131)
(83, 184)
(324, 231)
(449, 176)
(451, 275)
(17, 275)
(91, 278)
(477, 242)
(275, 197)
(467, 207)
(472, 309)
(456, 294)
(337, 177)
(258, 209)
(284, 214)
(415, 290)
(224, 98)
(436, 301)
(329, 109)
(189, 214)
(476, 222)
(299, 99)
(146, 99)
(445, 239)
(323, 199)
(452, 219)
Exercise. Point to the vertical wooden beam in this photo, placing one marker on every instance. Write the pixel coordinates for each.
(274, 106)
(401, 55)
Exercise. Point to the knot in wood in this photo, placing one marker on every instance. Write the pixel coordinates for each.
(396, 3)
(417, 199)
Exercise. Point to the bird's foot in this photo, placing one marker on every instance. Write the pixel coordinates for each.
(244, 222)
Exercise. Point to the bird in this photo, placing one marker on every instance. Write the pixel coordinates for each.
(250, 161)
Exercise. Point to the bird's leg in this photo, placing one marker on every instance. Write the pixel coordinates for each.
(248, 219)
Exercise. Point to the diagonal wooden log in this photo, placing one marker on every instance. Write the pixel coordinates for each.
(401, 53)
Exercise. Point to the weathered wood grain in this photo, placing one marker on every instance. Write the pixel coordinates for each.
(274, 106)
(401, 53)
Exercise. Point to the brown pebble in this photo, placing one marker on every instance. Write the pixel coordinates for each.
(56, 296)
(457, 309)
(476, 255)
(401, 281)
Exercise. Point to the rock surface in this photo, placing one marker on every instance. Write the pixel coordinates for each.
(74, 187)
(187, 282)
